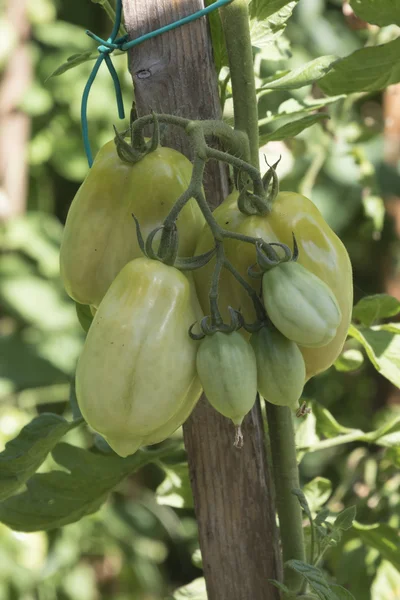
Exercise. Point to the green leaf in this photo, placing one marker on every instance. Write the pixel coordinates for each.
(77, 59)
(349, 360)
(175, 490)
(269, 21)
(218, 38)
(292, 128)
(382, 345)
(196, 590)
(373, 308)
(386, 585)
(282, 587)
(317, 492)
(84, 315)
(327, 426)
(345, 519)
(262, 9)
(341, 593)
(24, 454)
(303, 502)
(378, 12)
(374, 209)
(367, 70)
(314, 578)
(393, 454)
(60, 497)
(383, 538)
(304, 75)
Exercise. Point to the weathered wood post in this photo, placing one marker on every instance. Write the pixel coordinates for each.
(174, 73)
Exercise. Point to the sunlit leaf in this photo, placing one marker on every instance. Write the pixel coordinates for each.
(317, 492)
(383, 538)
(366, 70)
(267, 26)
(349, 360)
(382, 344)
(374, 308)
(196, 590)
(386, 585)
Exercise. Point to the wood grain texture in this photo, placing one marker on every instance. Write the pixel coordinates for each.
(232, 489)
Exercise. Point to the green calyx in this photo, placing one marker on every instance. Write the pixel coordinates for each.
(268, 257)
(138, 147)
(259, 202)
(210, 326)
(167, 251)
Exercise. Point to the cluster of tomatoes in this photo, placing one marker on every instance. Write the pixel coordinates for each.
(140, 374)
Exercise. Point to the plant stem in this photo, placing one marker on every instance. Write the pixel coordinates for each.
(286, 477)
(235, 21)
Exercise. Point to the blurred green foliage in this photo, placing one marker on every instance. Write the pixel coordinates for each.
(142, 543)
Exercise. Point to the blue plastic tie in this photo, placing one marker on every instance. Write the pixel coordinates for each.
(108, 46)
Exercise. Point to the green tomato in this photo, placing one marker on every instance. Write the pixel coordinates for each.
(300, 305)
(320, 251)
(136, 379)
(228, 373)
(281, 372)
(100, 235)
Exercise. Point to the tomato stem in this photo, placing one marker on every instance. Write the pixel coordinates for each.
(286, 478)
(216, 318)
(235, 22)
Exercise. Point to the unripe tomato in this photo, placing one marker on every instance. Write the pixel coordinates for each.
(300, 305)
(228, 373)
(100, 234)
(136, 379)
(281, 372)
(320, 251)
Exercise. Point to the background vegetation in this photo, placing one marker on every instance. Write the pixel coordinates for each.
(142, 543)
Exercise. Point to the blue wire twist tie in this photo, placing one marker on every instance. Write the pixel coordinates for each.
(107, 47)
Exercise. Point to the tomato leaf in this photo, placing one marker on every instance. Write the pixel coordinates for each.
(304, 75)
(350, 360)
(314, 578)
(175, 490)
(381, 12)
(345, 519)
(367, 70)
(317, 493)
(291, 129)
(383, 538)
(382, 345)
(376, 307)
(218, 38)
(24, 454)
(268, 20)
(341, 593)
(60, 497)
